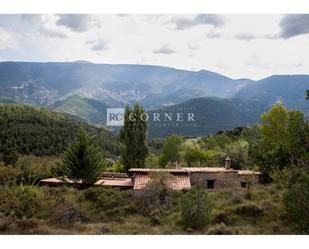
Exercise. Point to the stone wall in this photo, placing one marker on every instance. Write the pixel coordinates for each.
(219, 180)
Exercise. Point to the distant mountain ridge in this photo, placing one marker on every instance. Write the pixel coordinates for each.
(288, 89)
(45, 83)
(84, 90)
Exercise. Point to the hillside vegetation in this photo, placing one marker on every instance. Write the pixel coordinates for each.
(210, 116)
(30, 130)
(92, 110)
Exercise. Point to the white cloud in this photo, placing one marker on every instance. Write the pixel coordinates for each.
(8, 40)
(52, 33)
(213, 34)
(152, 39)
(98, 45)
(202, 19)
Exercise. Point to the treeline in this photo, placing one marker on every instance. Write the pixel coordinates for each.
(29, 130)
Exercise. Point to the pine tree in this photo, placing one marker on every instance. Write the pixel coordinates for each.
(307, 94)
(83, 159)
(133, 135)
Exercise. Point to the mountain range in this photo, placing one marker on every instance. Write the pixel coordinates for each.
(85, 90)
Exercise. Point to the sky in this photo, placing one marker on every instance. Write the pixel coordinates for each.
(238, 46)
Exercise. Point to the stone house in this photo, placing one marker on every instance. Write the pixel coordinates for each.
(205, 177)
(181, 178)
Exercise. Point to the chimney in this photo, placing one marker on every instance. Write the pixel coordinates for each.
(227, 164)
(177, 164)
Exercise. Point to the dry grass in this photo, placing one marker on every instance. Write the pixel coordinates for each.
(238, 211)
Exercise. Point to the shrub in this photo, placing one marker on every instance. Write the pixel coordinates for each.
(116, 167)
(236, 198)
(35, 168)
(296, 200)
(249, 211)
(27, 201)
(224, 217)
(9, 156)
(68, 214)
(196, 208)
(8, 174)
(157, 196)
(108, 202)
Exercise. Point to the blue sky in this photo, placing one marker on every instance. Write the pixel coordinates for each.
(252, 46)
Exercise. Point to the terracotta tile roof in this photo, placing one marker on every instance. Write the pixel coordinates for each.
(115, 182)
(208, 169)
(178, 182)
(146, 170)
(194, 170)
(56, 181)
(248, 172)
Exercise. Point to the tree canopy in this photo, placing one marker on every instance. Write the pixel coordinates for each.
(83, 160)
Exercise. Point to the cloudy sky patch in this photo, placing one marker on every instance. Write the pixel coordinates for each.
(294, 25)
(76, 22)
(251, 46)
(202, 19)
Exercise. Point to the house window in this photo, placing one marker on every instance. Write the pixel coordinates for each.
(243, 184)
(210, 183)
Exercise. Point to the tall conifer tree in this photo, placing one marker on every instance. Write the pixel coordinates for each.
(134, 137)
(83, 159)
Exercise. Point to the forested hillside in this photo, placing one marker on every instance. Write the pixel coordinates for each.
(37, 131)
(92, 110)
(289, 89)
(210, 116)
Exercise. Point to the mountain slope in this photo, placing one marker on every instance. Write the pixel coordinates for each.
(92, 110)
(290, 89)
(41, 132)
(210, 116)
(44, 83)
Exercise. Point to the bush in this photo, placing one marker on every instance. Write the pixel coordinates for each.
(236, 198)
(22, 201)
(8, 174)
(116, 167)
(35, 168)
(68, 214)
(296, 200)
(157, 196)
(196, 208)
(249, 211)
(107, 203)
(224, 217)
